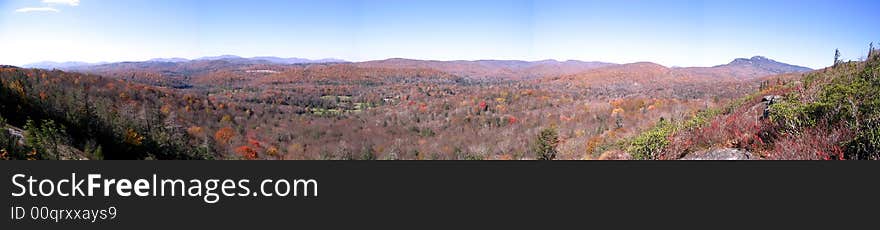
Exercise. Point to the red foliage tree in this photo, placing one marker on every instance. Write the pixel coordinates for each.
(246, 152)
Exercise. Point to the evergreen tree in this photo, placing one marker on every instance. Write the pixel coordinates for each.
(836, 57)
(546, 143)
(46, 138)
(870, 50)
(367, 153)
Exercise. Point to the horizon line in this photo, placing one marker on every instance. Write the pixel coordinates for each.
(221, 57)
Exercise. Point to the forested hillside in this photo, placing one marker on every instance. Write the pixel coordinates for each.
(396, 109)
(76, 116)
(829, 114)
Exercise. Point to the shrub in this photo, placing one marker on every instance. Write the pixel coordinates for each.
(816, 143)
(93, 150)
(648, 144)
(473, 157)
(865, 146)
(793, 115)
(46, 139)
(848, 102)
(702, 118)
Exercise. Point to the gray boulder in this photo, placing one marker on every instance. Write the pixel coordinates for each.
(727, 154)
(767, 101)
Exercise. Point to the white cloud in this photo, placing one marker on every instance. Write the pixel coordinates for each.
(62, 2)
(48, 6)
(37, 9)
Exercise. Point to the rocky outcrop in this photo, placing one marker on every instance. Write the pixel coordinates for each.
(615, 155)
(767, 101)
(720, 154)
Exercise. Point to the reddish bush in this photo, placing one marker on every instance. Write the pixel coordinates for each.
(255, 143)
(246, 152)
(742, 129)
(814, 144)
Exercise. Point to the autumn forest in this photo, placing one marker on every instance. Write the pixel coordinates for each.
(401, 109)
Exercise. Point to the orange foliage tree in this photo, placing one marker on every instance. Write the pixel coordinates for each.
(224, 135)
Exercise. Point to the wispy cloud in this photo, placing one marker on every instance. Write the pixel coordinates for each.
(37, 9)
(48, 6)
(63, 2)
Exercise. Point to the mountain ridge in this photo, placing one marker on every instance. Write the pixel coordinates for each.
(767, 63)
(739, 68)
(296, 60)
(229, 58)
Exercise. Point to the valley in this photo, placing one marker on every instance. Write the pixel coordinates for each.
(230, 107)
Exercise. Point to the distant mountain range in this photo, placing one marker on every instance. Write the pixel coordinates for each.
(756, 66)
(508, 69)
(229, 58)
(768, 64)
(172, 60)
(60, 65)
(740, 68)
(297, 60)
(648, 76)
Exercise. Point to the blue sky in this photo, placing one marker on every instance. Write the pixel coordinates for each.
(668, 32)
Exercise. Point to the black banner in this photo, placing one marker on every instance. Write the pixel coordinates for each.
(455, 194)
